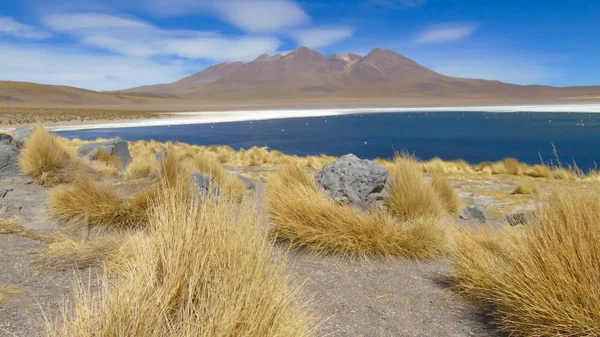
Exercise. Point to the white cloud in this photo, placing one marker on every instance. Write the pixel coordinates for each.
(132, 37)
(505, 69)
(43, 64)
(74, 22)
(222, 49)
(14, 28)
(446, 33)
(320, 37)
(261, 15)
(123, 47)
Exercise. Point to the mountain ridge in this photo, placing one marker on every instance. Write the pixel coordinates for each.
(306, 75)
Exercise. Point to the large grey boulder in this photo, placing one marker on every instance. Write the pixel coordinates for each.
(476, 213)
(21, 135)
(354, 181)
(115, 146)
(9, 156)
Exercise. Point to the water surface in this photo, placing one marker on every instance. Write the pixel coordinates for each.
(472, 136)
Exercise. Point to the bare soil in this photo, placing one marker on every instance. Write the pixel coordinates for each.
(378, 297)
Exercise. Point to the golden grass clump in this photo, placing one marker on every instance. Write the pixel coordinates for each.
(448, 195)
(111, 160)
(91, 204)
(203, 269)
(538, 171)
(228, 184)
(8, 290)
(409, 196)
(301, 214)
(141, 167)
(83, 252)
(528, 187)
(512, 166)
(540, 279)
(43, 154)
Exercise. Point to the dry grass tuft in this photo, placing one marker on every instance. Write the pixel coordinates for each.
(409, 196)
(90, 204)
(528, 187)
(111, 160)
(11, 227)
(512, 166)
(301, 214)
(538, 171)
(7, 290)
(43, 154)
(203, 270)
(539, 280)
(141, 167)
(448, 195)
(83, 252)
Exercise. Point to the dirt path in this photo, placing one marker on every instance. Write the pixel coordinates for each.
(382, 298)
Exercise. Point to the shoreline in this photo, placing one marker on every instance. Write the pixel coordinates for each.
(209, 117)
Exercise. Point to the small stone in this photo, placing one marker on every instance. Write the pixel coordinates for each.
(477, 212)
(520, 218)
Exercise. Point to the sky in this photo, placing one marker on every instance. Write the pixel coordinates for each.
(117, 44)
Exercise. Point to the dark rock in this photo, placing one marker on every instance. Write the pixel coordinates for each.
(478, 212)
(520, 218)
(9, 156)
(115, 146)
(21, 135)
(4, 192)
(5, 139)
(352, 180)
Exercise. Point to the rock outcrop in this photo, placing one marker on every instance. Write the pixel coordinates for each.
(21, 135)
(354, 181)
(9, 156)
(115, 146)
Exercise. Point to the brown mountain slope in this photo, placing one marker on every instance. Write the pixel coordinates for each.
(305, 75)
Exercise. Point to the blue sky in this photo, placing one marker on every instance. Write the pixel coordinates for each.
(115, 44)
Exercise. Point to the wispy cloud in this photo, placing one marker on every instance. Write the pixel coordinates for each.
(222, 49)
(11, 27)
(70, 66)
(261, 15)
(136, 38)
(446, 33)
(320, 37)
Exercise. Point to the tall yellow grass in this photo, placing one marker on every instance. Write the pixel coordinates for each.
(301, 214)
(43, 154)
(528, 187)
(203, 270)
(409, 196)
(539, 280)
(91, 204)
(448, 195)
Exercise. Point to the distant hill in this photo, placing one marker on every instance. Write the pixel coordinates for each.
(305, 75)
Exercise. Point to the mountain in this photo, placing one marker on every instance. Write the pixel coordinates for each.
(305, 75)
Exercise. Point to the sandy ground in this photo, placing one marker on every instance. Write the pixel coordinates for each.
(390, 297)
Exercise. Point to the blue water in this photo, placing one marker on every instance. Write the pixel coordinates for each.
(474, 137)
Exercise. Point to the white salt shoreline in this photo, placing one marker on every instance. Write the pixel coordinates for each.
(207, 117)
